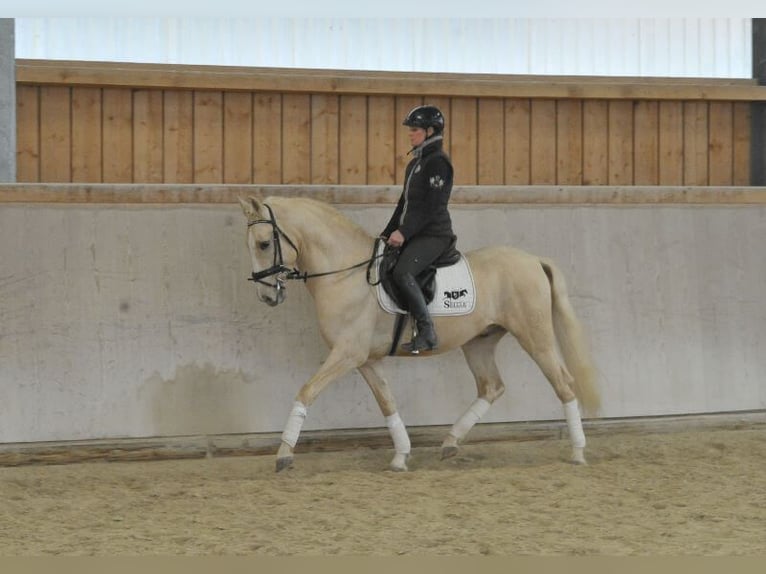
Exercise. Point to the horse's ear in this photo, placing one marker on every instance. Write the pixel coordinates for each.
(251, 207)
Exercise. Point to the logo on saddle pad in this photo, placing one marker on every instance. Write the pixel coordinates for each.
(450, 300)
(454, 292)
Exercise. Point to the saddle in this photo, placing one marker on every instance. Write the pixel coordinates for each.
(425, 279)
(447, 285)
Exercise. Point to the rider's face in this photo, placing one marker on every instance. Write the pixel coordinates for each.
(417, 136)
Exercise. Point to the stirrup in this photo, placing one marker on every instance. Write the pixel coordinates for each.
(418, 344)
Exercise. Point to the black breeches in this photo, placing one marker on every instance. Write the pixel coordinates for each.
(418, 253)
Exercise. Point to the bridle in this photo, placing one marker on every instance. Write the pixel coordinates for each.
(278, 267)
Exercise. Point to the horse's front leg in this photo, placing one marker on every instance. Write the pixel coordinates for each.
(340, 361)
(387, 404)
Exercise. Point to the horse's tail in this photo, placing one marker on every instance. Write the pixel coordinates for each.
(572, 342)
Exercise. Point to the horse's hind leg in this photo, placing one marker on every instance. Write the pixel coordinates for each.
(540, 344)
(387, 404)
(480, 355)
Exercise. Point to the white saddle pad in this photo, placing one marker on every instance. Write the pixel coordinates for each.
(454, 294)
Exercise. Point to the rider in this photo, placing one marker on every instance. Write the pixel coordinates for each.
(421, 224)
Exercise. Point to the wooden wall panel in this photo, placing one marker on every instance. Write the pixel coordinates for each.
(208, 137)
(620, 145)
(671, 143)
(55, 134)
(148, 151)
(595, 120)
(86, 135)
(646, 145)
(721, 143)
(695, 143)
(518, 119)
(117, 134)
(381, 140)
(178, 136)
(325, 123)
(237, 137)
(352, 160)
(296, 138)
(543, 142)
(28, 133)
(402, 142)
(463, 147)
(491, 137)
(267, 138)
(569, 148)
(741, 135)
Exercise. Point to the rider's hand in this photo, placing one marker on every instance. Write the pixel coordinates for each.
(395, 239)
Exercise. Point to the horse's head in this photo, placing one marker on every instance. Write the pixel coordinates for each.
(264, 241)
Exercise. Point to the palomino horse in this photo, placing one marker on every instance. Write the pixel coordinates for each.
(516, 293)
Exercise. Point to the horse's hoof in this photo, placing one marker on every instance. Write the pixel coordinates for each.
(283, 463)
(399, 464)
(578, 457)
(449, 452)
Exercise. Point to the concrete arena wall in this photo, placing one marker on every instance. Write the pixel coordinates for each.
(137, 320)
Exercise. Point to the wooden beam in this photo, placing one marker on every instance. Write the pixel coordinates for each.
(229, 78)
(467, 195)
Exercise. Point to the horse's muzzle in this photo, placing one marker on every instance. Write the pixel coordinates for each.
(280, 293)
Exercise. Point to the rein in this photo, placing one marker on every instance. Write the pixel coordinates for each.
(278, 266)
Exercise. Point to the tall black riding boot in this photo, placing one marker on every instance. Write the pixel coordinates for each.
(425, 339)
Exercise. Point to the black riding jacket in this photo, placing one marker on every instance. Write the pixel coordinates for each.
(422, 207)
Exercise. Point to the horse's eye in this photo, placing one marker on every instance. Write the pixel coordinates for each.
(263, 245)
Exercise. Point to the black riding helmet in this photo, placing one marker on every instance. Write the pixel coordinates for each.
(425, 117)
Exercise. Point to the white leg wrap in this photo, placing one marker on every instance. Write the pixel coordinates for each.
(294, 424)
(574, 422)
(473, 415)
(398, 433)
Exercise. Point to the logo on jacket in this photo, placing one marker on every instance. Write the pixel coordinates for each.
(436, 182)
